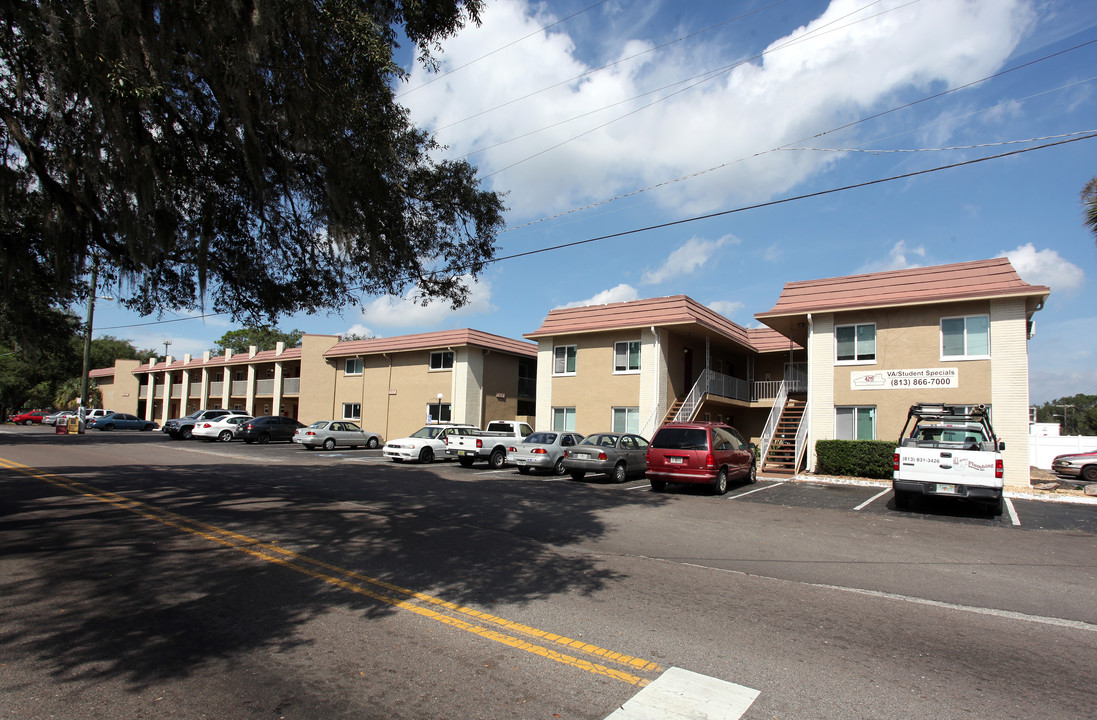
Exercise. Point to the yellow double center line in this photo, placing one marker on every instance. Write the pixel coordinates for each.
(428, 606)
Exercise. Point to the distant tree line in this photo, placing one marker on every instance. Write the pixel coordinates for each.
(1076, 414)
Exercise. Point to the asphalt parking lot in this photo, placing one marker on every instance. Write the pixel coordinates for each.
(1025, 513)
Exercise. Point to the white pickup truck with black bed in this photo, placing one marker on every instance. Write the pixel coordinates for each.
(951, 451)
(490, 444)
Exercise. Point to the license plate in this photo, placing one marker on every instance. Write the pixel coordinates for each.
(581, 456)
(676, 460)
(946, 489)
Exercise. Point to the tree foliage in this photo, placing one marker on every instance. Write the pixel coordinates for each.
(254, 150)
(1076, 414)
(263, 338)
(1089, 205)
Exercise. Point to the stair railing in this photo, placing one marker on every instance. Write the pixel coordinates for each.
(774, 417)
(801, 438)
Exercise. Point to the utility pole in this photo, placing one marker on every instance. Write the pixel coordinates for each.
(87, 334)
(1064, 409)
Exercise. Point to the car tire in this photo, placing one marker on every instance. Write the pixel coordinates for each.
(523, 470)
(720, 487)
(465, 462)
(620, 473)
(497, 459)
(108, 426)
(578, 474)
(148, 428)
(752, 474)
(372, 444)
(902, 500)
(249, 441)
(264, 438)
(187, 433)
(426, 456)
(658, 485)
(1089, 473)
(329, 444)
(225, 436)
(558, 468)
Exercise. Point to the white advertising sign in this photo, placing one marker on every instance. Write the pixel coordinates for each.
(905, 379)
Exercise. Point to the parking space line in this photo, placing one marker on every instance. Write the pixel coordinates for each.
(638, 487)
(1012, 512)
(868, 502)
(751, 492)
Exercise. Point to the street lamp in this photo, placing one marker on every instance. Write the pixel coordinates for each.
(439, 415)
(166, 344)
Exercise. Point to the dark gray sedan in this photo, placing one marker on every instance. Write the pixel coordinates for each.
(618, 455)
(120, 421)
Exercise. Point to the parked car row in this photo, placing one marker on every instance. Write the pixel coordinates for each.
(224, 425)
(694, 453)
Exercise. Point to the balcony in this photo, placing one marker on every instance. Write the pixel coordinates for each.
(216, 389)
(264, 388)
(239, 388)
(291, 386)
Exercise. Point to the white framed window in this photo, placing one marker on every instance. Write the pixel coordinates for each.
(563, 359)
(855, 344)
(439, 412)
(965, 337)
(563, 419)
(855, 423)
(626, 357)
(626, 420)
(352, 411)
(442, 360)
(353, 366)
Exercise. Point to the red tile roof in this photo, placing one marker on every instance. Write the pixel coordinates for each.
(433, 341)
(769, 340)
(101, 372)
(218, 361)
(660, 312)
(981, 279)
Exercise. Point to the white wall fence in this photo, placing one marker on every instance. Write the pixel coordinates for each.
(1042, 450)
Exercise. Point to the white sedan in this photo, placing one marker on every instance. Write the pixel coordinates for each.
(424, 445)
(222, 429)
(329, 434)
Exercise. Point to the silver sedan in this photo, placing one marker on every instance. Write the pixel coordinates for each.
(618, 455)
(330, 434)
(542, 451)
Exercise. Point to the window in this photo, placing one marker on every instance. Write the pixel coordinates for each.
(855, 423)
(626, 356)
(563, 419)
(439, 412)
(352, 411)
(855, 343)
(563, 360)
(626, 419)
(965, 337)
(441, 360)
(353, 367)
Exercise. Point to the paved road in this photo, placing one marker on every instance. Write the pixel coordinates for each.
(141, 577)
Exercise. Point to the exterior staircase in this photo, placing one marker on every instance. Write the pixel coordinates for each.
(781, 458)
(673, 410)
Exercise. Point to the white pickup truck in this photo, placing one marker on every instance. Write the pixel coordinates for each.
(951, 451)
(489, 444)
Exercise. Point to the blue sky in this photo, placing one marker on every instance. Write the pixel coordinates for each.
(602, 117)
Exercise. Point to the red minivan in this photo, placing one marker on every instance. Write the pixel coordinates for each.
(699, 453)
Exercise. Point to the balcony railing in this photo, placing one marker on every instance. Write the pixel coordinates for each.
(291, 386)
(216, 389)
(239, 388)
(143, 392)
(264, 387)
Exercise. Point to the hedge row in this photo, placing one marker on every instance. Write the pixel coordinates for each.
(855, 458)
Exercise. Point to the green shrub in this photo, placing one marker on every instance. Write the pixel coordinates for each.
(855, 458)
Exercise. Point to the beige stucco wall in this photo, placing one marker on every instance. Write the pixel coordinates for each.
(1009, 386)
(120, 391)
(317, 379)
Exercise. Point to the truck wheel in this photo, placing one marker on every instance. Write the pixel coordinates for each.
(465, 462)
(426, 456)
(187, 433)
(658, 485)
(902, 500)
(498, 459)
(997, 506)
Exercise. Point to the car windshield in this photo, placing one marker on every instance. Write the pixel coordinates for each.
(430, 432)
(541, 438)
(192, 416)
(319, 424)
(680, 439)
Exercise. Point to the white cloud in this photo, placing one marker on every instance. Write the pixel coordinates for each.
(360, 330)
(626, 126)
(1045, 267)
(390, 311)
(900, 257)
(726, 308)
(621, 293)
(692, 254)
